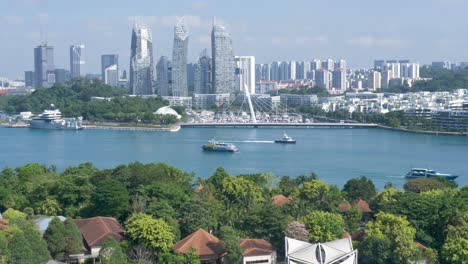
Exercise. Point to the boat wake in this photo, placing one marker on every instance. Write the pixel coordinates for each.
(398, 177)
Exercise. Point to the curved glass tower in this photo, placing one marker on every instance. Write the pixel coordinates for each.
(179, 59)
(223, 59)
(141, 61)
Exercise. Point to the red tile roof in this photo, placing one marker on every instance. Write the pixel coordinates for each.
(362, 205)
(256, 247)
(204, 243)
(3, 224)
(359, 203)
(281, 200)
(97, 229)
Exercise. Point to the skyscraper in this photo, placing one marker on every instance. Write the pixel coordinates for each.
(266, 71)
(292, 70)
(44, 76)
(274, 76)
(284, 73)
(29, 78)
(339, 79)
(223, 59)
(162, 76)
(203, 83)
(328, 65)
(141, 61)
(111, 75)
(322, 78)
(108, 60)
(62, 76)
(246, 70)
(374, 81)
(76, 60)
(179, 59)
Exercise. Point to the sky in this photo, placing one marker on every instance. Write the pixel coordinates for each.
(356, 30)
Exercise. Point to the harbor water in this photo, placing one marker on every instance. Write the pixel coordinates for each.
(336, 155)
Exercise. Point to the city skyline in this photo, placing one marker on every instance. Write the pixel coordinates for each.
(259, 34)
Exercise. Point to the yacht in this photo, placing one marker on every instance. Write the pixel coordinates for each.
(427, 173)
(286, 140)
(52, 119)
(216, 146)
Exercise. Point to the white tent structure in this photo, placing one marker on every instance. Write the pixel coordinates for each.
(333, 252)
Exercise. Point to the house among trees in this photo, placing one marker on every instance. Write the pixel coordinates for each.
(208, 247)
(281, 200)
(257, 251)
(96, 230)
(360, 204)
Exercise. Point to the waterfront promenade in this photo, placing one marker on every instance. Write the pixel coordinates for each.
(278, 125)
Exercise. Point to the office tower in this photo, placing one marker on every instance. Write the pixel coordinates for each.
(190, 76)
(266, 71)
(339, 79)
(441, 64)
(223, 59)
(111, 75)
(108, 60)
(29, 79)
(162, 76)
(62, 76)
(374, 80)
(379, 64)
(124, 74)
(387, 75)
(322, 78)
(300, 70)
(292, 70)
(141, 61)
(179, 59)
(258, 72)
(274, 72)
(316, 65)
(329, 65)
(203, 74)
(284, 74)
(341, 64)
(44, 76)
(76, 60)
(246, 73)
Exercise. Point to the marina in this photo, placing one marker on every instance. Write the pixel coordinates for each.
(336, 155)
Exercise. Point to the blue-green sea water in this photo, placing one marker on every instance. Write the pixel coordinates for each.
(336, 155)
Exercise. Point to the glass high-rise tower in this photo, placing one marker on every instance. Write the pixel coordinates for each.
(179, 59)
(223, 59)
(141, 61)
(76, 60)
(44, 75)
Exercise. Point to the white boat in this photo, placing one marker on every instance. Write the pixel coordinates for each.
(286, 140)
(52, 119)
(427, 173)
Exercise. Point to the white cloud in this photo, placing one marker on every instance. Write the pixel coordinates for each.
(200, 5)
(378, 42)
(11, 20)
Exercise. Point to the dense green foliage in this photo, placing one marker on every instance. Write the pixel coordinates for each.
(111, 252)
(359, 188)
(158, 205)
(75, 100)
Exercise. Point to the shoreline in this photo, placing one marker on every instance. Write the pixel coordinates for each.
(177, 127)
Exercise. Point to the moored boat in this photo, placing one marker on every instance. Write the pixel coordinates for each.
(52, 119)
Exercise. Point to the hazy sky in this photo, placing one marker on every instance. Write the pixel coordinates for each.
(359, 31)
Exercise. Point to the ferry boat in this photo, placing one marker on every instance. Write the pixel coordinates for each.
(52, 119)
(216, 146)
(427, 173)
(286, 140)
